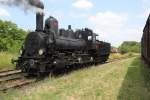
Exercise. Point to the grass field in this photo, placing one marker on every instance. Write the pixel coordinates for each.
(122, 80)
(5, 61)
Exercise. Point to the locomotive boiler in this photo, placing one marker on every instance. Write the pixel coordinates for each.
(49, 48)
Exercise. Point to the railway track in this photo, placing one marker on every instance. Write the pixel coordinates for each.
(13, 79)
(9, 73)
(118, 59)
(16, 83)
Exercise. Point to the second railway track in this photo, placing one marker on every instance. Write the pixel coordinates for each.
(16, 83)
(9, 73)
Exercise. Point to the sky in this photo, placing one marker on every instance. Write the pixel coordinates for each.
(114, 21)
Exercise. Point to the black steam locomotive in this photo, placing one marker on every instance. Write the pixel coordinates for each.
(51, 48)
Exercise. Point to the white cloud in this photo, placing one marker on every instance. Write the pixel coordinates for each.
(112, 27)
(146, 12)
(146, 6)
(83, 4)
(146, 1)
(144, 15)
(108, 22)
(76, 16)
(4, 12)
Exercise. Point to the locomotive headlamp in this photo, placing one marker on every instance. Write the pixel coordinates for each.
(41, 51)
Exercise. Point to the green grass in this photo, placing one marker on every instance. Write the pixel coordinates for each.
(136, 84)
(5, 61)
(123, 80)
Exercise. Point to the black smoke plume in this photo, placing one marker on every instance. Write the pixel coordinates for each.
(34, 5)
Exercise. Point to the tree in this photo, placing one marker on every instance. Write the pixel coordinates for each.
(130, 46)
(11, 37)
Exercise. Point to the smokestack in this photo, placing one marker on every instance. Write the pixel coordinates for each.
(69, 27)
(39, 22)
(39, 15)
(40, 18)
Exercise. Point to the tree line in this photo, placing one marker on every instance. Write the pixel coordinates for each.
(11, 37)
(130, 46)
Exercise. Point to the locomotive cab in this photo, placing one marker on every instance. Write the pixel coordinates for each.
(89, 37)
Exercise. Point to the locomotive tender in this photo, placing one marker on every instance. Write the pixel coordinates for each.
(49, 48)
(145, 46)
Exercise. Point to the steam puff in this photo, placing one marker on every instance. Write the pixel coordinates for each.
(34, 5)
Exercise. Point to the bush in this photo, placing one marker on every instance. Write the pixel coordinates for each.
(11, 37)
(130, 46)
